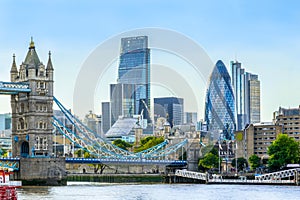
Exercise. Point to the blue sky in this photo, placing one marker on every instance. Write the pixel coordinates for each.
(263, 35)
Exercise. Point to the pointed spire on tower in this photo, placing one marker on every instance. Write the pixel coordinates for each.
(14, 66)
(31, 46)
(49, 64)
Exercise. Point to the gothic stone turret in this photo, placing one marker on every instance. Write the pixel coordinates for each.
(32, 112)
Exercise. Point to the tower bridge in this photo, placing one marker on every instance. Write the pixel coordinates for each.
(33, 124)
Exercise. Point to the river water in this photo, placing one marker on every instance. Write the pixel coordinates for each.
(87, 191)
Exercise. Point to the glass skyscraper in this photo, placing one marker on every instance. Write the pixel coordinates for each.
(134, 68)
(220, 104)
(246, 87)
(171, 108)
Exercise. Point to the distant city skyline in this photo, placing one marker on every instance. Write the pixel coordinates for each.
(264, 36)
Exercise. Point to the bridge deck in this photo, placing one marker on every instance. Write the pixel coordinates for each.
(126, 161)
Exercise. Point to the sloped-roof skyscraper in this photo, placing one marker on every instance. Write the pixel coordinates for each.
(220, 104)
(134, 68)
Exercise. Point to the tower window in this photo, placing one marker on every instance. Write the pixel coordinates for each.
(42, 85)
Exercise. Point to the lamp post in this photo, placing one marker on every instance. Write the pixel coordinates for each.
(236, 168)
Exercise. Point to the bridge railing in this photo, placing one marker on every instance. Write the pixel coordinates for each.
(190, 174)
(277, 175)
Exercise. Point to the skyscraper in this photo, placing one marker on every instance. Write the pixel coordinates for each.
(171, 108)
(106, 118)
(190, 118)
(134, 68)
(122, 100)
(220, 104)
(246, 87)
(5, 121)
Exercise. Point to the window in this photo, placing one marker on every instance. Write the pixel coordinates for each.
(42, 85)
(41, 143)
(40, 125)
(21, 121)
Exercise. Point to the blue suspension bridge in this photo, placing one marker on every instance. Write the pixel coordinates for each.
(84, 138)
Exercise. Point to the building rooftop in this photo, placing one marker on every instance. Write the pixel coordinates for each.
(122, 127)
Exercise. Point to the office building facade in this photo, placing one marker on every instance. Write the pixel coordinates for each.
(190, 118)
(122, 101)
(246, 88)
(106, 117)
(255, 139)
(5, 121)
(220, 104)
(170, 108)
(289, 121)
(134, 68)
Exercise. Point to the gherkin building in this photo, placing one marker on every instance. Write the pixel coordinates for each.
(220, 104)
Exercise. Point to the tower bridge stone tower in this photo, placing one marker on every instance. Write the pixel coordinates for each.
(32, 112)
(32, 129)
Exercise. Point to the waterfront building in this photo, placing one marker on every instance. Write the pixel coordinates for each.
(134, 68)
(170, 108)
(289, 121)
(255, 139)
(220, 104)
(246, 88)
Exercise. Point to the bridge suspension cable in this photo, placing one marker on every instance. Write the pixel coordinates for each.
(98, 146)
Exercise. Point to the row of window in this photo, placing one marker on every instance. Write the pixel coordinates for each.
(262, 143)
(23, 125)
(284, 119)
(264, 129)
(41, 108)
(265, 133)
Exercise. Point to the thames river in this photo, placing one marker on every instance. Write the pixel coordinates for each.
(86, 191)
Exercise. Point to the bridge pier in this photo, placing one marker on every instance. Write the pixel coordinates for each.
(42, 171)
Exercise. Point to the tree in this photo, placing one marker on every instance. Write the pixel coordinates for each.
(122, 144)
(254, 161)
(148, 142)
(86, 154)
(284, 150)
(241, 163)
(209, 161)
(3, 153)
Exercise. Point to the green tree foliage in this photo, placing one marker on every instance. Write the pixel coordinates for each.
(148, 142)
(122, 144)
(284, 150)
(241, 163)
(254, 161)
(209, 161)
(3, 153)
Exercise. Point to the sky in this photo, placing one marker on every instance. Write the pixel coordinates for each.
(263, 35)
